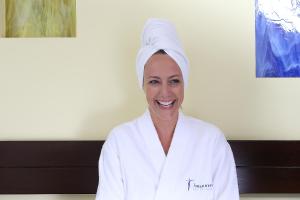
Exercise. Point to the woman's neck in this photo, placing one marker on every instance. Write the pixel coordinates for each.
(165, 130)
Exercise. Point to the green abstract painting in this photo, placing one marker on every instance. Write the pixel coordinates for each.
(38, 18)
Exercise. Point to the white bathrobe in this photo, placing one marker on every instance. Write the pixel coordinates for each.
(198, 166)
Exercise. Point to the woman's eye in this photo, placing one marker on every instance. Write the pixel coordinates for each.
(153, 82)
(174, 81)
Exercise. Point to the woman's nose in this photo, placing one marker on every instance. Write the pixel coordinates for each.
(165, 90)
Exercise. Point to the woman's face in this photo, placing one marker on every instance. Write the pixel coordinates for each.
(163, 86)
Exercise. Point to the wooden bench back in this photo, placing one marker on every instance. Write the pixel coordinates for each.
(71, 167)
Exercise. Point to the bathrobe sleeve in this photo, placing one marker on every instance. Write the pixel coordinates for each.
(224, 177)
(110, 185)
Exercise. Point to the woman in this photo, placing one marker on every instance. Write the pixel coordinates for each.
(164, 154)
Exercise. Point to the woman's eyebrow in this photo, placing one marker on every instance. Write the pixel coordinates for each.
(174, 76)
(156, 77)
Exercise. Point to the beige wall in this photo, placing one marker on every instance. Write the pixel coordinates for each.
(79, 88)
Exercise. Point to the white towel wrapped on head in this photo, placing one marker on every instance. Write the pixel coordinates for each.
(159, 34)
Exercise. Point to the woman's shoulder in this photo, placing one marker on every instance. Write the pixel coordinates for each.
(201, 124)
(123, 130)
(204, 128)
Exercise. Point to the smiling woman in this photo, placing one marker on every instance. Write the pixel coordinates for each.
(40, 18)
(164, 91)
(164, 154)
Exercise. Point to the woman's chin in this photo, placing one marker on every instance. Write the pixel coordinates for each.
(166, 114)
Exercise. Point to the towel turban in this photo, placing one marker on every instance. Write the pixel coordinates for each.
(159, 34)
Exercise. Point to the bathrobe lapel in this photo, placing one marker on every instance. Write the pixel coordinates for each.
(155, 154)
(173, 164)
(165, 168)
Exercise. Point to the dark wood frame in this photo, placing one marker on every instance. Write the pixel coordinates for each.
(70, 167)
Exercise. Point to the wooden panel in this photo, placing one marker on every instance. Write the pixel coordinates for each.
(82, 180)
(267, 166)
(266, 153)
(70, 167)
(49, 167)
(49, 153)
(268, 180)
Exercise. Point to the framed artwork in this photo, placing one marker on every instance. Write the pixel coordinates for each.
(37, 18)
(277, 30)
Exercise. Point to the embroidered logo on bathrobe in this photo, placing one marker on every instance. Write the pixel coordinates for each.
(193, 185)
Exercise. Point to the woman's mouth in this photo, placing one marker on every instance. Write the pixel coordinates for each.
(165, 104)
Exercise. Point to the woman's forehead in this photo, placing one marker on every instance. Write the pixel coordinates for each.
(162, 65)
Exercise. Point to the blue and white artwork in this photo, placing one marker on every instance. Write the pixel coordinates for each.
(277, 29)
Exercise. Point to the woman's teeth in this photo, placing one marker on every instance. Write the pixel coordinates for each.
(165, 103)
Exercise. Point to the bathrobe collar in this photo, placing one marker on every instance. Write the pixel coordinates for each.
(165, 165)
